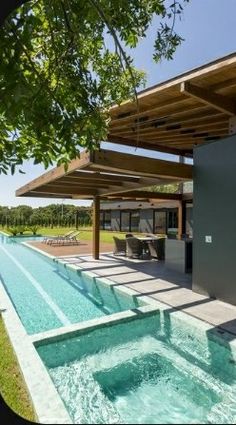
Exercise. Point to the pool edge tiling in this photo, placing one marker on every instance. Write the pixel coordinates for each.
(49, 409)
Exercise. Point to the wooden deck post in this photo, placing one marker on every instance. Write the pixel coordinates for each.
(180, 219)
(96, 227)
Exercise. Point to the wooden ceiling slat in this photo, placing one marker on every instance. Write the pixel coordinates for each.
(164, 111)
(101, 177)
(141, 194)
(162, 126)
(174, 137)
(137, 115)
(221, 124)
(146, 145)
(175, 118)
(65, 191)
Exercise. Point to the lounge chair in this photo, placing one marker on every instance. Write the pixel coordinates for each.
(52, 238)
(157, 248)
(69, 240)
(134, 247)
(120, 246)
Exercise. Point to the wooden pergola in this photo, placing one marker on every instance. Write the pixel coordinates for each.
(109, 175)
(175, 116)
(172, 117)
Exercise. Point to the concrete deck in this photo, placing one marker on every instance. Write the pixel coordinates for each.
(153, 279)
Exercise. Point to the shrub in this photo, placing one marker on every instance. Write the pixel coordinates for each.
(21, 229)
(33, 229)
(13, 230)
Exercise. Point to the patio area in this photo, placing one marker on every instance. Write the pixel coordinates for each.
(153, 279)
(84, 247)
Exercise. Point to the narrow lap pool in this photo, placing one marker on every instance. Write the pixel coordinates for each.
(165, 369)
(46, 297)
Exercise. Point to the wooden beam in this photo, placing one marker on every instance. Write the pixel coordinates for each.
(147, 195)
(145, 145)
(142, 166)
(56, 173)
(204, 71)
(138, 115)
(178, 128)
(65, 191)
(99, 177)
(96, 227)
(80, 184)
(222, 103)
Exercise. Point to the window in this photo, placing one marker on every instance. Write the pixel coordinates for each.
(172, 222)
(125, 221)
(166, 221)
(101, 220)
(107, 220)
(134, 221)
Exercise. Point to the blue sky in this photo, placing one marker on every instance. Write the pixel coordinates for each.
(209, 30)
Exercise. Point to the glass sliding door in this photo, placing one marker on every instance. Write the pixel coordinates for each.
(125, 221)
(107, 220)
(172, 223)
(134, 221)
(160, 222)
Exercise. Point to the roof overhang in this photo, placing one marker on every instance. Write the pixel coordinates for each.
(181, 113)
(107, 174)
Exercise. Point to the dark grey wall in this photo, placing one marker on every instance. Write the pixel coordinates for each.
(214, 214)
(146, 221)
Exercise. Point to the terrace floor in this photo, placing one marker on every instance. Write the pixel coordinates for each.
(153, 279)
(150, 278)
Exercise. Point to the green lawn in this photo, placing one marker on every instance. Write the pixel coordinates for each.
(12, 386)
(85, 233)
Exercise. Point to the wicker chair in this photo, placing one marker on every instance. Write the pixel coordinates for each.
(134, 247)
(157, 248)
(120, 246)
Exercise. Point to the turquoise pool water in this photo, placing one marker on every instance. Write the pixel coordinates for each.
(46, 296)
(165, 369)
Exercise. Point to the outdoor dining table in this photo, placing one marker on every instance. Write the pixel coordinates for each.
(145, 241)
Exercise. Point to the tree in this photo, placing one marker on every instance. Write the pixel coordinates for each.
(58, 78)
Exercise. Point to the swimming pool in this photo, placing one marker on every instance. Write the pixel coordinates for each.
(168, 368)
(47, 295)
(151, 364)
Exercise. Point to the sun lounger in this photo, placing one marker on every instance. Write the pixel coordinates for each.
(51, 240)
(69, 240)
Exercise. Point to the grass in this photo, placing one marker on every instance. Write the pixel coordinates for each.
(12, 386)
(86, 233)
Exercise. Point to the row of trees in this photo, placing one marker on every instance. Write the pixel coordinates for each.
(49, 216)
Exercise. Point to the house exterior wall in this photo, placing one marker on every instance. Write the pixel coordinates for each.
(214, 215)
